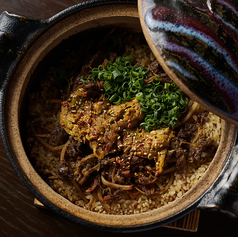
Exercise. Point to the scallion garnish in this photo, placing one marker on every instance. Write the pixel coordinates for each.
(162, 103)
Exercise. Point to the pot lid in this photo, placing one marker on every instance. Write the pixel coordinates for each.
(196, 42)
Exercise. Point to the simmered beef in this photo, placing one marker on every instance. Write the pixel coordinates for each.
(74, 148)
(97, 59)
(58, 136)
(204, 149)
(98, 122)
(110, 128)
(190, 144)
(63, 169)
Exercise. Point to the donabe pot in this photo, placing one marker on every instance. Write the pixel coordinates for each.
(22, 53)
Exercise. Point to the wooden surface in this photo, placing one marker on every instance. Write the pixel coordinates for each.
(19, 217)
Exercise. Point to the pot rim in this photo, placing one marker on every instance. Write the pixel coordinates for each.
(16, 152)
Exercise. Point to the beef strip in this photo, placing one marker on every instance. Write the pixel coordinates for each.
(97, 59)
(58, 136)
(63, 169)
(204, 149)
(188, 131)
(93, 90)
(155, 67)
(74, 149)
(184, 150)
(156, 70)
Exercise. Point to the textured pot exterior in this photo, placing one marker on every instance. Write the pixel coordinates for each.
(196, 42)
(96, 16)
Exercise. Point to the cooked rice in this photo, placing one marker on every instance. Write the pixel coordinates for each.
(183, 181)
(47, 162)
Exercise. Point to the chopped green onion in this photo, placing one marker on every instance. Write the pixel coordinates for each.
(116, 74)
(162, 103)
(82, 79)
(107, 86)
(139, 96)
(114, 98)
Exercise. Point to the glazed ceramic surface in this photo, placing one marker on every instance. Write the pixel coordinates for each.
(197, 43)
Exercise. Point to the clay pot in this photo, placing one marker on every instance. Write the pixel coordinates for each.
(20, 58)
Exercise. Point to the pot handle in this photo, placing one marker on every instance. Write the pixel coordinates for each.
(223, 195)
(16, 32)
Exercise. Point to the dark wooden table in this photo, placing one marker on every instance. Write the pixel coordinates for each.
(19, 217)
